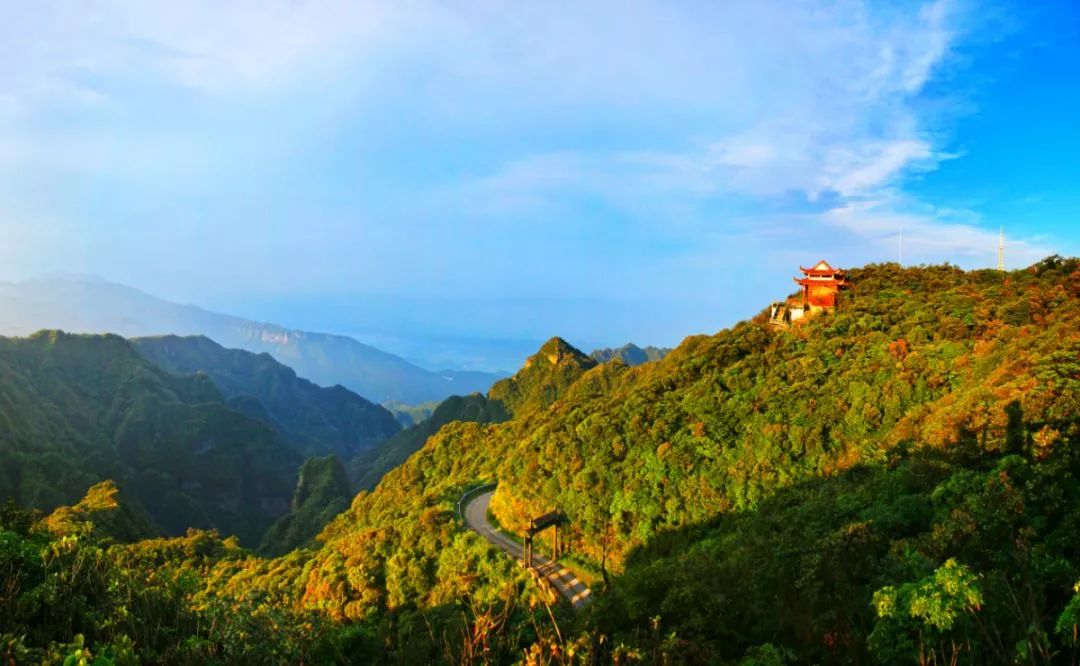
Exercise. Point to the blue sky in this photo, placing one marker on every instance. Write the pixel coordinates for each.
(423, 173)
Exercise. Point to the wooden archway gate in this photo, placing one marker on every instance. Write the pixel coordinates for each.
(537, 525)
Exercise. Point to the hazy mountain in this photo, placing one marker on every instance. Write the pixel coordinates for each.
(90, 305)
(316, 420)
(630, 354)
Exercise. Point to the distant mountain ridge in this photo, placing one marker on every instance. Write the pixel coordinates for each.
(90, 305)
(630, 354)
(316, 420)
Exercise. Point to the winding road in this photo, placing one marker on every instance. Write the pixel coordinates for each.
(561, 578)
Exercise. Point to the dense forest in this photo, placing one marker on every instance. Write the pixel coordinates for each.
(368, 468)
(893, 482)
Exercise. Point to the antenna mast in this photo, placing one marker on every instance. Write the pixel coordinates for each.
(900, 252)
(1001, 249)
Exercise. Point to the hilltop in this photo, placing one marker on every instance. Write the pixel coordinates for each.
(546, 375)
(544, 378)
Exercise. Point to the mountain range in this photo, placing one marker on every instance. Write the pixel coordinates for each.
(893, 481)
(76, 410)
(317, 421)
(82, 304)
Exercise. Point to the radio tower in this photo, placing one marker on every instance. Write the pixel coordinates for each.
(1001, 249)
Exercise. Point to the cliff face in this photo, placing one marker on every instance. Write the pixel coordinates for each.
(322, 492)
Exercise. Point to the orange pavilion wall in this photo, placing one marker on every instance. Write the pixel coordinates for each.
(821, 296)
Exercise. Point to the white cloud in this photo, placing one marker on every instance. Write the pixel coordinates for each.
(931, 235)
(863, 168)
(812, 100)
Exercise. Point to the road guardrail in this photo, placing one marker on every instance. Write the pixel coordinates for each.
(472, 491)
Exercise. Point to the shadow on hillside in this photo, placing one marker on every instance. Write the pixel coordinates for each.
(799, 570)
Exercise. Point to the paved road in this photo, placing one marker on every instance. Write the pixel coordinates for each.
(561, 578)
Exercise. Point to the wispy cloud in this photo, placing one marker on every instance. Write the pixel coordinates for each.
(823, 104)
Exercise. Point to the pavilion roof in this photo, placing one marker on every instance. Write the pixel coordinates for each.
(820, 268)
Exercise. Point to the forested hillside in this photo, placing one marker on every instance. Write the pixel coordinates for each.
(895, 482)
(545, 377)
(950, 379)
(367, 469)
(322, 492)
(76, 410)
(317, 421)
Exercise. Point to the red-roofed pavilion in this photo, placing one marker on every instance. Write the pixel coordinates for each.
(820, 285)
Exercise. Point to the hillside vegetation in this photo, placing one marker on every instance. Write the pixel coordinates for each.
(895, 482)
(545, 376)
(367, 469)
(974, 375)
(322, 492)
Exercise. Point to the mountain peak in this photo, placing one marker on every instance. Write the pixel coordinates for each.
(544, 378)
(556, 351)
